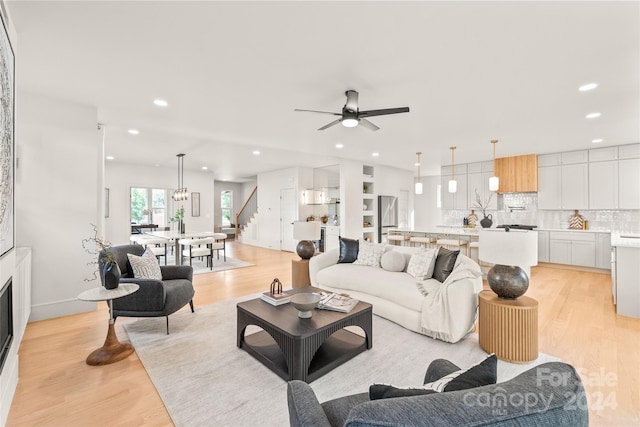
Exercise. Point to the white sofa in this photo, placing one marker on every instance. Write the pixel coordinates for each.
(397, 295)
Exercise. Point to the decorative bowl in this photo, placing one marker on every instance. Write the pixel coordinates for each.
(305, 303)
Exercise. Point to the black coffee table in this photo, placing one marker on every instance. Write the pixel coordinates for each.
(302, 349)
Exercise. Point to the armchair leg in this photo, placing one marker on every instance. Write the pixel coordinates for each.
(191, 305)
(167, 324)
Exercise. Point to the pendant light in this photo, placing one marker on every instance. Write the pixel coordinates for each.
(419, 183)
(181, 192)
(453, 185)
(494, 181)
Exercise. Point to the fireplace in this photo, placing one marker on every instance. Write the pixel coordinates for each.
(6, 321)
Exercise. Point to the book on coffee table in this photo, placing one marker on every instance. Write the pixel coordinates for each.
(336, 302)
(276, 299)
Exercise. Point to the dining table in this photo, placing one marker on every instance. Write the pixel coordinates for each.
(175, 235)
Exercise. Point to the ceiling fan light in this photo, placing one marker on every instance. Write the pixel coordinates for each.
(418, 188)
(349, 122)
(494, 183)
(453, 186)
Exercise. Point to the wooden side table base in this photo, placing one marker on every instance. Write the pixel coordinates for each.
(508, 328)
(112, 351)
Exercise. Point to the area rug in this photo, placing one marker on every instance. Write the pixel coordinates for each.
(200, 267)
(204, 379)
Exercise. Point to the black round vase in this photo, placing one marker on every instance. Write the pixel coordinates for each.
(508, 281)
(110, 275)
(305, 249)
(486, 222)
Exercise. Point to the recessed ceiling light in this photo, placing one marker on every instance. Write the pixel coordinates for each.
(204, 168)
(416, 164)
(339, 145)
(110, 157)
(160, 102)
(597, 140)
(588, 86)
(375, 154)
(592, 115)
(256, 152)
(133, 131)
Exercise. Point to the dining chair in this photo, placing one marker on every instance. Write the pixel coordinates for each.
(157, 245)
(198, 248)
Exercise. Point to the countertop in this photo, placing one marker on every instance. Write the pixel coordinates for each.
(625, 240)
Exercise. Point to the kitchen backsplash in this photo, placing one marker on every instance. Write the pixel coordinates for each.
(522, 208)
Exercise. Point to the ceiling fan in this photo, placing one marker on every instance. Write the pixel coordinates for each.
(351, 116)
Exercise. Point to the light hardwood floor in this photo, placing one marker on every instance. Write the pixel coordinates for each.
(56, 388)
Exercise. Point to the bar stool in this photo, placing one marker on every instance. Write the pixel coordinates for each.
(453, 243)
(425, 241)
(397, 239)
(474, 244)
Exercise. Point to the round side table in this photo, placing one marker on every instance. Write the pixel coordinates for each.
(508, 328)
(112, 350)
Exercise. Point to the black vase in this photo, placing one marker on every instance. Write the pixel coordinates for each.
(110, 275)
(486, 222)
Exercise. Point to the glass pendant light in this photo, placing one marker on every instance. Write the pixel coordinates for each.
(453, 185)
(419, 182)
(494, 181)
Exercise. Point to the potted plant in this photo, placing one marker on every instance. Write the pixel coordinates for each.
(105, 261)
(486, 220)
(179, 218)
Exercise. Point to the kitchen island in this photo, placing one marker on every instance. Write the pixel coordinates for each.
(625, 273)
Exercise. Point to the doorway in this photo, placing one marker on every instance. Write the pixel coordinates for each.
(288, 214)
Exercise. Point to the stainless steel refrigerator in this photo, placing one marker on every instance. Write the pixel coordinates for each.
(387, 215)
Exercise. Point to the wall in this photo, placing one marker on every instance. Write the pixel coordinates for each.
(58, 147)
(237, 202)
(120, 177)
(351, 199)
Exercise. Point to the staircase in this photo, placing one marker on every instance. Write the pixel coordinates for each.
(249, 231)
(247, 219)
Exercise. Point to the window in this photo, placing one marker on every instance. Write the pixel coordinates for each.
(149, 206)
(226, 206)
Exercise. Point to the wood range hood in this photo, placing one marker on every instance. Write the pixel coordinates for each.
(518, 174)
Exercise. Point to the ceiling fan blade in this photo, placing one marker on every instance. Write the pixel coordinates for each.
(383, 112)
(352, 101)
(366, 123)
(333, 123)
(316, 111)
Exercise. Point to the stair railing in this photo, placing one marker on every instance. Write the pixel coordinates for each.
(249, 208)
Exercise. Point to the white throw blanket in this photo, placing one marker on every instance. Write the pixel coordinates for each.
(440, 318)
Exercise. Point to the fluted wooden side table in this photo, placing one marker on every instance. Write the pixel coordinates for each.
(300, 273)
(508, 328)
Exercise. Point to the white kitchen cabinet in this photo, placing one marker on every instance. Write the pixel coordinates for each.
(560, 251)
(549, 196)
(627, 288)
(602, 154)
(628, 187)
(331, 238)
(603, 250)
(543, 246)
(603, 185)
(575, 186)
(630, 151)
(573, 157)
(572, 248)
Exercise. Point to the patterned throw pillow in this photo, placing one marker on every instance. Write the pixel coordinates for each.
(145, 266)
(369, 254)
(422, 263)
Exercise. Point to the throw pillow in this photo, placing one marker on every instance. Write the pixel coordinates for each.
(422, 264)
(145, 266)
(348, 250)
(369, 254)
(392, 261)
(445, 261)
(484, 373)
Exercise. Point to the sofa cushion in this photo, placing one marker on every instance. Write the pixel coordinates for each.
(481, 374)
(348, 250)
(422, 264)
(399, 288)
(393, 261)
(445, 261)
(369, 254)
(145, 266)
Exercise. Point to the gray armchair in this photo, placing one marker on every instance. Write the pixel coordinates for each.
(547, 395)
(155, 298)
